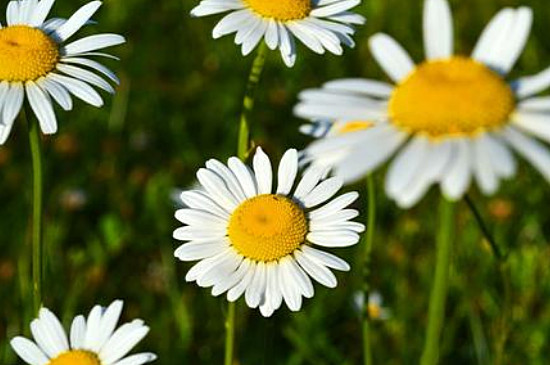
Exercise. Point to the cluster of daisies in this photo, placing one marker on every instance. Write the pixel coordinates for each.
(261, 232)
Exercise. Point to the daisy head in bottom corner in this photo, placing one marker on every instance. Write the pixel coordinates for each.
(92, 340)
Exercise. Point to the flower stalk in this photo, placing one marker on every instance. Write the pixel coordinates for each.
(243, 151)
(37, 208)
(249, 101)
(369, 241)
(438, 296)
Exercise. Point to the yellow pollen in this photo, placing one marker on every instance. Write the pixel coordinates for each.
(453, 97)
(283, 10)
(267, 227)
(26, 54)
(76, 357)
(353, 126)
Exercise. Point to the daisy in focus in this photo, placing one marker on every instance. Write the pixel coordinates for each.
(260, 242)
(449, 120)
(92, 340)
(319, 24)
(38, 62)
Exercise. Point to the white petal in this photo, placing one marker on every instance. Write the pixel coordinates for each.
(391, 57)
(28, 351)
(323, 192)
(77, 20)
(288, 169)
(438, 29)
(263, 172)
(78, 332)
(536, 153)
(458, 176)
(93, 43)
(41, 104)
(405, 165)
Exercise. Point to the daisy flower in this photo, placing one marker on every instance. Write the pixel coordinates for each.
(319, 24)
(449, 120)
(255, 242)
(375, 305)
(37, 62)
(92, 340)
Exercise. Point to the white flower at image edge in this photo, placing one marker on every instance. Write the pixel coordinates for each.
(321, 25)
(260, 242)
(92, 341)
(448, 120)
(36, 62)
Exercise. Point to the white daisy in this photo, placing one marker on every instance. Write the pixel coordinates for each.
(92, 341)
(319, 24)
(375, 305)
(251, 240)
(36, 61)
(452, 118)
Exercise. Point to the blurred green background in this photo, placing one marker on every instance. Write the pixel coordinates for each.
(110, 174)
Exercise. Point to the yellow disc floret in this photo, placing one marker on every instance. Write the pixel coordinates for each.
(353, 126)
(454, 97)
(267, 227)
(76, 357)
(283, 10)
(26, 54)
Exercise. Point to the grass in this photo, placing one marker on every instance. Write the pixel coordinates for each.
(109, 217)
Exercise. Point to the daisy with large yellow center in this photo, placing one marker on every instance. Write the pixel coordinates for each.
(282, 10)
(321, 26)
(94, 340)
(26, 54)
(38, 64)
(453, 97)
(256, 241)
(448, 121)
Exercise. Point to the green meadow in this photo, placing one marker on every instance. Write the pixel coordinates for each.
(111, 175)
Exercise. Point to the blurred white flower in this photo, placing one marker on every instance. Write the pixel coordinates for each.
(374, 306)
(447, 121)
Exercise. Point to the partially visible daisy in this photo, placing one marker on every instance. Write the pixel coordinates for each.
(37, 63)
(260, 242)
(450, 119)
(92, 340)
(374, 306)
(319, 24)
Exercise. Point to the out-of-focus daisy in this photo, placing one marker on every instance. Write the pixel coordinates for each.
(257, 241)
(92, 340)
(319, 24)
(452, 118)
(375, 307)
(37, 61)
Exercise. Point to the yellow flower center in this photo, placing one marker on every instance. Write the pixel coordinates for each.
(267, 227)
(26, 54)
(453, 97)
(76, 357)
(353, 126)
(375, 312)
(283, 10)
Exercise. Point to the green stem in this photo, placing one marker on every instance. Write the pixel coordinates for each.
(369, 241)
(243, 149)
(229, 334)
(483, 227)
(249, 98)
(438, 294)
(37, 169)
